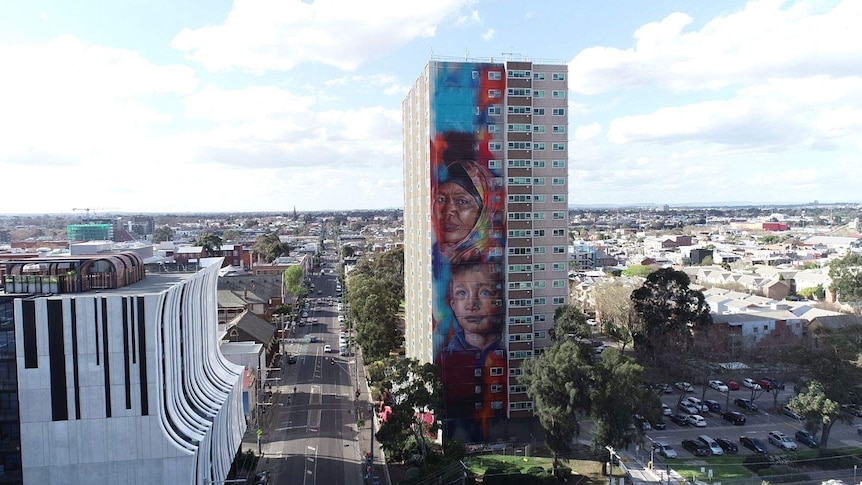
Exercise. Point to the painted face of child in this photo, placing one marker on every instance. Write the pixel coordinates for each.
(475, 297)
(457, 212)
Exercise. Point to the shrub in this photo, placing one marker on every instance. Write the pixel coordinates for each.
(755, 462)
(835, 460)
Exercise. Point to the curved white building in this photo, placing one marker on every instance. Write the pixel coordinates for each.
(127, 385)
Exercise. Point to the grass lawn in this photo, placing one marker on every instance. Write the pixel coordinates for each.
(725, 467)
(590, 469)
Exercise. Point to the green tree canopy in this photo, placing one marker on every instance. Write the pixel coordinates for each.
(846, 274)
(162, 233)
(637, 270)
(669, 313)
(569, 321)
(558, 381)
(375, 290)
(293, 281)
(210, 243)
(269, 247)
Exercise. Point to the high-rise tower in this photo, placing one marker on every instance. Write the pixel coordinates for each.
(486, 215)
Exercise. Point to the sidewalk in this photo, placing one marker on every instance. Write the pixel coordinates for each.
(640, 473)
(365, 432)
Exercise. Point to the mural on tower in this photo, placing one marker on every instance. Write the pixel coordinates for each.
(467, 213)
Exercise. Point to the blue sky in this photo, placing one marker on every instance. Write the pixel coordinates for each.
(158, 106)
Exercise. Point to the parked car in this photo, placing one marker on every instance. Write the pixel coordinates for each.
(750, 383)
(733, 385)
(745, 404)
(665, 450)
(684, 386)
(806, 439)
(680, 419)
(764, 384)
(714, 448)
(665, 388)
(666, 410)
(734, 417)
(262, 478)
(774, 383)
(728, 446)
(713, 405)
(696, 448)
(753, 444)
(719, 386)
(696, 420)
(852, 409)
(859, 430)
(791, 413)
(782, 441)
(696, 403)
(642, 422)
(688, 408)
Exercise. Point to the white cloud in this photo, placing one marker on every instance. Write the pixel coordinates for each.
(588, 132)
(276, 35)
(767, 39)
(488, 35)
(71, 101)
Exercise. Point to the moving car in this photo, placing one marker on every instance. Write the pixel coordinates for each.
(262, 478)
(684, 386)
(750, 383)
(782, 441)
(753, 444)
(719, 386)
(665, 450)
(733, 385)
(696, 448)
(806, 439)
(680, 419)
(327, 348)
(734, 417)
(666, 410)
(714, 447)
(728, 446)
(745, 404)
(696, 420)
(642, 422)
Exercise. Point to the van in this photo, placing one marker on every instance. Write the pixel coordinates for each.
(714, 447)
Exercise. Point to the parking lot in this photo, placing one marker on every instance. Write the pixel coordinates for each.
(758, 423)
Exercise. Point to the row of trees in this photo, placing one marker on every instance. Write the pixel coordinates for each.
(375, 291)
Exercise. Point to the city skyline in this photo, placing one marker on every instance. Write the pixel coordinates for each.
(267, 106)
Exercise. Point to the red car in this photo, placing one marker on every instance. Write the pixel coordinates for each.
(733, 385)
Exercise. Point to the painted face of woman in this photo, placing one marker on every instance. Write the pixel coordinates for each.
(457, 212)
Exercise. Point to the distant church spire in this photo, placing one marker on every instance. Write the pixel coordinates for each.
(294, 212)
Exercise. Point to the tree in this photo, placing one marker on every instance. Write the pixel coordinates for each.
(834, 374)
(210, 244)
(231, 235)
(614, 307)
(569, 321)
(293, 281)
(617, 395)
(161, 234)
(270, 247)
(558, 381)
(846, 274)
(669, 314)
(409, 388)
(347, 251)
(819, 411)
(375, 291)
(812, 292)
(637, 270)
(707, 261)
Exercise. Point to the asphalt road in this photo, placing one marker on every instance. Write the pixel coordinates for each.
(311, 436)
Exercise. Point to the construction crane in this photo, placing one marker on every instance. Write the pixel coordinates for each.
(87, 209)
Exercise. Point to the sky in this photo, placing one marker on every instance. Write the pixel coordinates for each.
(160, 106)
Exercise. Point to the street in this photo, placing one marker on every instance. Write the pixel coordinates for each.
(311, 436)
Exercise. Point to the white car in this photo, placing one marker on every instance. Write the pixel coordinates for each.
(719, 386)
(340, 318)
(665, 449)
(327, 348)
(696, 420)
(688, 408)
(749, 383)
(666, 410)
(782, 441)
(693, 401)
(684, 386)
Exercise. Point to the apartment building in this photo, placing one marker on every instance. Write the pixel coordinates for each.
(120, 383)
(485, 219)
